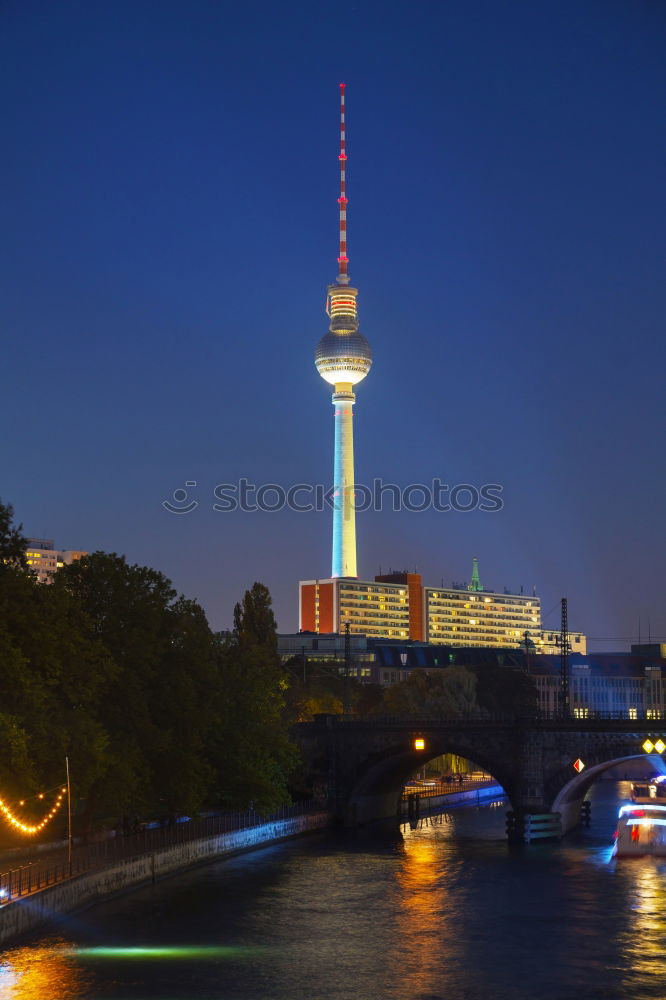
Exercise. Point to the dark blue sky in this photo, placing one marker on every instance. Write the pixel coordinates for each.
(169, 228)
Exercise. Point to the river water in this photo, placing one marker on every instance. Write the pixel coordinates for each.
(447, 910)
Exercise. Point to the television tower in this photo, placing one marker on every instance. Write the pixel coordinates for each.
(343, 358)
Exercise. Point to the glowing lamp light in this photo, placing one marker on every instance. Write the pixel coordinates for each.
(30, 828)
(578, 764)
(419, 743)
(648, 746)
(660, 746)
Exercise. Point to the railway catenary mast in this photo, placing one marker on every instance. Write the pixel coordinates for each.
(343, 358)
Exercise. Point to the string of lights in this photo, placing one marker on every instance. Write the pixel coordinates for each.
(32, 828)
(37, 795)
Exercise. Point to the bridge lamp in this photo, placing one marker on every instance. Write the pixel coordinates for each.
(659, 746)
(419, 743)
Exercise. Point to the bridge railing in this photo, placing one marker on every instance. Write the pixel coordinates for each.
(448, 786)
(487, 719)
(33, 875)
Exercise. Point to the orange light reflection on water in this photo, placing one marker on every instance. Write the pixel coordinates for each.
(424, 921)
(41, 974)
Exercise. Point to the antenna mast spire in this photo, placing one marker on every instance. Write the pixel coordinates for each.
(343, 259)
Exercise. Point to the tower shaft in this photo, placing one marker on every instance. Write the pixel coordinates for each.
(344, 515)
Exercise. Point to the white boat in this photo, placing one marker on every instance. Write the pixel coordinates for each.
(641, 830)
(649, 790)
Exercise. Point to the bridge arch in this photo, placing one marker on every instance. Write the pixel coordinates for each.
(573, 790)
(376, 788)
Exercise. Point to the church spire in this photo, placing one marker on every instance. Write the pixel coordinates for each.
(475, 585)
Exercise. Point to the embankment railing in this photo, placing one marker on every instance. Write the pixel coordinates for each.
(57, 866)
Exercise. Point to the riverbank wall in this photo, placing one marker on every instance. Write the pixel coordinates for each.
(28, 913)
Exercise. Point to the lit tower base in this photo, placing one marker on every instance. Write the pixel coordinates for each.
(343, 358)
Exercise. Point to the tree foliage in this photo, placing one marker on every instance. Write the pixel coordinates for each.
(12, 542)
(53, 673)
(505, 690)
(322, 686)
(110, 667)
(255, 756)
(439, 694)
(254, 621)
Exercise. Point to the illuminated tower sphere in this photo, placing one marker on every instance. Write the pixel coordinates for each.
(343, 358)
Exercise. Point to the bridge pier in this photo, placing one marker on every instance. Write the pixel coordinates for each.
(364, 809)
(524, 827)
(571, 813)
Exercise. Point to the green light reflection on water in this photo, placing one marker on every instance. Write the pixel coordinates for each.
(197, 952)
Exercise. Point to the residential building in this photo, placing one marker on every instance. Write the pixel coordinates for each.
(398, 606)
(549, 642)
(45, 560)
(368, 607)
(483, 618)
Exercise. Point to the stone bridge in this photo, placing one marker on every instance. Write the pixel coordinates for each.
(362, 764)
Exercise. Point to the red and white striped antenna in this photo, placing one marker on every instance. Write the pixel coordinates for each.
(343, 259)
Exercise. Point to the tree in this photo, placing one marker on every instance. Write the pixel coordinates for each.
(182, 700)
(52, 673)
(505, 690)
(126, 606)
(446, 692)
(110, 667)
(12, 542)
(254, 621)
(158, 707)
(252, 752)
(321, 686)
